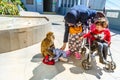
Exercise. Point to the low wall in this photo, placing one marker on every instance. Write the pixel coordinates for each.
(22, 33)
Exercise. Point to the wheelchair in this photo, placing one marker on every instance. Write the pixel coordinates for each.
(88, 51)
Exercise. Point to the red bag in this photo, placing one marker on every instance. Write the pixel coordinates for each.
(47, 61)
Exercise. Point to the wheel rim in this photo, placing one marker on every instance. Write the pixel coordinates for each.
(110, 66)
(86, 65)
(113, 65)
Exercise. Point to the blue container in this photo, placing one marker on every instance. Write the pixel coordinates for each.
(62, 10)
(39, 6)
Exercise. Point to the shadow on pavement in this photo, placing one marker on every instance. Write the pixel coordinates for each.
(44, 71)
(37, 58)
(78, 69)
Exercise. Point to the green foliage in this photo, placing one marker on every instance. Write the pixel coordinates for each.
(16, 1)
(22, 5)
(8, 8)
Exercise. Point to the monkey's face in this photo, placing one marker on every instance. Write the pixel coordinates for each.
(50, 36)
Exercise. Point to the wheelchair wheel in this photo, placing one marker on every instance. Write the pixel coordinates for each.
(83, 51)
(110, 66)
(86, 65)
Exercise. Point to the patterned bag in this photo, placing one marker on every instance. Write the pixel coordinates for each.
(75, 30)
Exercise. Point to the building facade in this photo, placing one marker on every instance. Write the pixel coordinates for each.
(40, 5)
(60, 6)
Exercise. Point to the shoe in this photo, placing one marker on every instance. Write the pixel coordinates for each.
(63, 59)
(77, 55)
(103, 61)
(68, 53)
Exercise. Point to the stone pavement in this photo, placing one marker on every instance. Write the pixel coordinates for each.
(25, 64)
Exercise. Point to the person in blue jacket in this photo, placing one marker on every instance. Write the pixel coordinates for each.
(77, 15)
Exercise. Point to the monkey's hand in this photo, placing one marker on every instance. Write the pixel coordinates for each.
(51, 54)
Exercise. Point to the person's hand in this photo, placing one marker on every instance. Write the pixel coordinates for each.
(80, 38)
(63, 47)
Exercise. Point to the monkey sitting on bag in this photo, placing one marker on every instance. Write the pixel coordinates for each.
(46, 44)
(48, 49)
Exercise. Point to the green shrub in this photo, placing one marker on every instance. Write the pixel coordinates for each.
(8, 8)
(18, 2)
(22, 5)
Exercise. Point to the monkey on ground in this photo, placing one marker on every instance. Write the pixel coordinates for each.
(48, 49)
(47, 44)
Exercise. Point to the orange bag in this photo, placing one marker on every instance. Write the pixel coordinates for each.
(74, 30)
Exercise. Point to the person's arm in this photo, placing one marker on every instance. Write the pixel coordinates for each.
(85, 35)
(107, 39)
(65, 40)
(66, 33)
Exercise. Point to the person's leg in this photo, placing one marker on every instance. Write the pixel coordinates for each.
(100, 47)
(105, 50)
(100, 53)
(74, 45)
(70, 45)
(77, 46)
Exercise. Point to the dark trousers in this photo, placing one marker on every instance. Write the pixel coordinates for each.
(102, 49)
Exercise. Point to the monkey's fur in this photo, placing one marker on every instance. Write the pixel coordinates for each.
(47, 44)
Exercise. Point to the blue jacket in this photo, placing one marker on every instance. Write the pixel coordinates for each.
(77, 13)
(59, 53)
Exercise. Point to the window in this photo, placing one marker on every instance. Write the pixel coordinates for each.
(29, 1)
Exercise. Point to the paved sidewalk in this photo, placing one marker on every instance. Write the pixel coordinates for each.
(25, 64)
